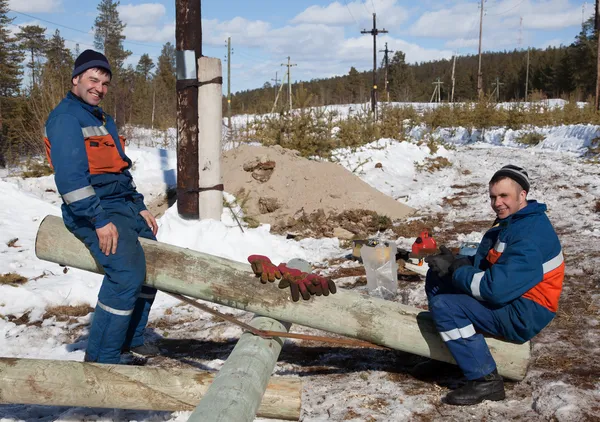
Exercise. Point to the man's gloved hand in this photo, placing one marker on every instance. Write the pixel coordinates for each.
(441, 264)
(264, 268)
(460, 262)
(297, 281)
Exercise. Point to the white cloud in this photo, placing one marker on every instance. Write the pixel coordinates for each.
(358, 12)
(242, 32)
(141, 14)
(163, 34)
(461, 20)
(35, 6)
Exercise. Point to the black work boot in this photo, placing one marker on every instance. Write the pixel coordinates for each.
(146, 350)
(489, 387)
(434, 369)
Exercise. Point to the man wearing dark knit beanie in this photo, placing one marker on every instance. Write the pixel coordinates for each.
(509, 289)
(103, 209)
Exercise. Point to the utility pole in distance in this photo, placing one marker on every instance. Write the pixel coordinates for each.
(527, 76)
(229, 84)
(437, 90)
(453, 78)
(374, 32)
(289, 80)
(188, 44)
(276, 83)
(479, 75)
(497, 85)
(386, 51)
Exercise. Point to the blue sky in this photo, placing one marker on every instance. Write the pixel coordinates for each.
(322, 37)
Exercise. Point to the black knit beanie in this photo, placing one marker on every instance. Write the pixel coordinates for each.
(89, 59)
(518, 174)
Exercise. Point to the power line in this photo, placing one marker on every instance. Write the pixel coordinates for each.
(365, 6)
(349, 11)
(79, 30)
(374, 10)
(507, 10)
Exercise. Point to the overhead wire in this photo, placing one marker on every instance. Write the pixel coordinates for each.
(507, 10)
(349, 11)
(82, 31)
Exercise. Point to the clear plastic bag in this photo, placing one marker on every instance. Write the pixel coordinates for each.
(382, 270)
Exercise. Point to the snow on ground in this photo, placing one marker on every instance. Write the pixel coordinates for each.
(340, 383)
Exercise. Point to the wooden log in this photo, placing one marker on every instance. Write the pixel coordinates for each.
(226, 282)
(236, 392)
(68, 383)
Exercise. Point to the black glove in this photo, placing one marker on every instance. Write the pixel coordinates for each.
(459, 262)
(441, 264)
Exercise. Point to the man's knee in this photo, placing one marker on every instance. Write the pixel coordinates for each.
(443, 306)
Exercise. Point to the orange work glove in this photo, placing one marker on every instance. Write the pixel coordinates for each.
(321, 285)
(264, 268)
(296, 281)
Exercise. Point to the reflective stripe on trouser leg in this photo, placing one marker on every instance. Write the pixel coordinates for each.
(139, 318)
(456, 317)
(104, 331)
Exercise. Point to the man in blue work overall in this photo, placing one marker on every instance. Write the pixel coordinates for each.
(509, 289)
(103, 209)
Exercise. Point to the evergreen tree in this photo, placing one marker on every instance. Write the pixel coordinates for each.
(165, 87)
(11, 72)
(108, 38)
(145, 66)
(33, 40)
(143, 95)
(56, 72)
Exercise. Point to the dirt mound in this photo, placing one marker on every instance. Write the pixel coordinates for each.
(279, 187)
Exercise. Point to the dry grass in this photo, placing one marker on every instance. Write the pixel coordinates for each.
(348, 272)
(36, 169)
(65, 313)
(413, 228)
(12, 243)
(12, 279)
(433, 164)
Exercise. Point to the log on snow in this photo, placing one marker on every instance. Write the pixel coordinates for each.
(68, 383)
(226, 282)
(238, 388)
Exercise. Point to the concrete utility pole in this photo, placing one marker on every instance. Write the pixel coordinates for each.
(387, 62)
(276, 84)
(453, 78)
(289, 81)
(479, 75)
(497, 85)
(437, 90)
(374, 32)
(229, 84)
(188, 42)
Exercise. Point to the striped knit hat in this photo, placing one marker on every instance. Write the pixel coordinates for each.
(516, 173)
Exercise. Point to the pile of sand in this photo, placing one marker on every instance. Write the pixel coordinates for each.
(279, 187)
